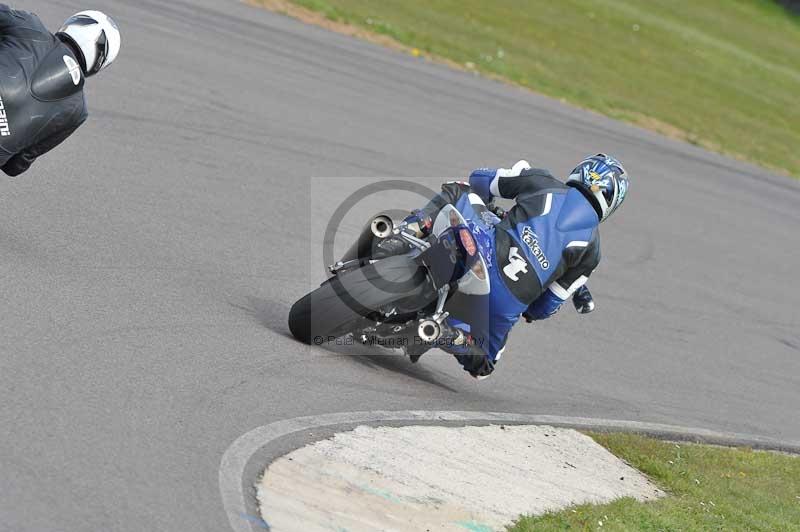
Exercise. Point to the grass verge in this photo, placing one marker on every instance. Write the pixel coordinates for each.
(710, 488)
(723, 74)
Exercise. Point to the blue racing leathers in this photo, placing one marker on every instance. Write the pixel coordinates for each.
(544, 250)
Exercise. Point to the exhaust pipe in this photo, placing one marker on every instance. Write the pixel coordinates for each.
(429, 331)
(382, 226)
(374, 231)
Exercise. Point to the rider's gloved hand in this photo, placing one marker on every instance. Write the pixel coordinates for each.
(480, 181)
(545, 306)
(583, 301)
(419, 223)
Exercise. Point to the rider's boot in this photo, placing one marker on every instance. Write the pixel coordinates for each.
(451, 339)
(583, 300)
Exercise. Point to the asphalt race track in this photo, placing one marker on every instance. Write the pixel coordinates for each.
(148, 265)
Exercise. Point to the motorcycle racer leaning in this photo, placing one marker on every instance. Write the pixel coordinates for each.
(42, 77)
(546, 247)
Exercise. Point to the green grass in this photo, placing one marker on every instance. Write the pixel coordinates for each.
(710, 488)
(724, 74)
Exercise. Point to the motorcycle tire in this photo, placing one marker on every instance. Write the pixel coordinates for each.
(336, 307)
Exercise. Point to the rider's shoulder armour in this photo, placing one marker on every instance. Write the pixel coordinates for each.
(58, 75)
(576, 213)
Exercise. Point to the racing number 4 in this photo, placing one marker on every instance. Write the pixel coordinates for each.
(516, 265)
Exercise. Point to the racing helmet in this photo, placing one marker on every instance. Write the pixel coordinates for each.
(604, 178)
(95, 36)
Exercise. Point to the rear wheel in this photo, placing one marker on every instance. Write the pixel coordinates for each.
(336, 307)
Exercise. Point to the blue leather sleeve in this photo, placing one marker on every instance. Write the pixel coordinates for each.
(545, 306)
(480, 180)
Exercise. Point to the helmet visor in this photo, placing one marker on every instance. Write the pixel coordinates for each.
(79, 20)
(102, 54)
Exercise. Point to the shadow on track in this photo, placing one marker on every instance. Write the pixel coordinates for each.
(399, 364)
(377, 359)
(272, 314)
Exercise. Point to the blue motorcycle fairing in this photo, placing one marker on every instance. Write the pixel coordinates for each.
(481, 222)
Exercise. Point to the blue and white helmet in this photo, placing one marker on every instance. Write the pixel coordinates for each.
(605, 178)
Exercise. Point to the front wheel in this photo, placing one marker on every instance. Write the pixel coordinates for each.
(335, 308)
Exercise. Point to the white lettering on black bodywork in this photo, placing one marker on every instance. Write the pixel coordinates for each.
(5, 130)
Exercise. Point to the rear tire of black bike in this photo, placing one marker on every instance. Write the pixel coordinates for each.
(334, 309)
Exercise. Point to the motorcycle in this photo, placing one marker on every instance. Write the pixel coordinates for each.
(402, 299)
